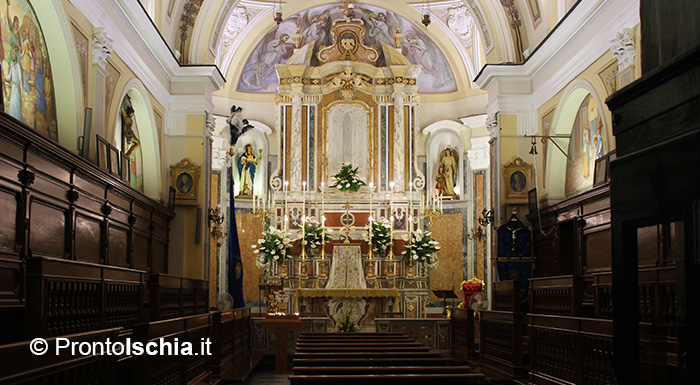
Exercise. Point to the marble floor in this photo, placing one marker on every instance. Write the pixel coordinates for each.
(262, 375)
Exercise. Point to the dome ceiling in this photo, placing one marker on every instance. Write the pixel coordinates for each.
(315, 24)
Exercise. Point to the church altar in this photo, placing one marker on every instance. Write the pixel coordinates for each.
(349, 108)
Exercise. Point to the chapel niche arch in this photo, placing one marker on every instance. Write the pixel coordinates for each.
(443, 135)
(563, 125)
(147, 134)
(256, 137)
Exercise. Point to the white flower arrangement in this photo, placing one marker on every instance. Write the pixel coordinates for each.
(346, 179)
(381, 235)
(422, 248)
(314, 233)
(273, 246)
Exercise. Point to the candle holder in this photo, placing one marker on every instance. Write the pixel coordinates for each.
(322, 256)
(432, 215)
(370, 261)
(263, 214)
(409, 273)
(390, 257)
(283, 269)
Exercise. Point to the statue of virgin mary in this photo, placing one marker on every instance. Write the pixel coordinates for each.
(246, 169)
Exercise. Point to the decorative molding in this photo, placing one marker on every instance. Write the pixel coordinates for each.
(101, 47)
(134, 34)
(527, 123)
(624, 51)
(188, 17)
(478, 156)
(492, 124)
(515, 23)
(177, 123)
(581, 38)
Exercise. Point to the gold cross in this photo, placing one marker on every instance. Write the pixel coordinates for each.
(347, 222)
(346, 7)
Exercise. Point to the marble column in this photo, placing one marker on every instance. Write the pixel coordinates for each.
(399, 153)
(295, 151)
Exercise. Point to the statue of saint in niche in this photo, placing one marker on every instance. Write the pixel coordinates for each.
(246, 169)
(447, 172)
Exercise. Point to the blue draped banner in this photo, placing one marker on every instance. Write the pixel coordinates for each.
(235, 264)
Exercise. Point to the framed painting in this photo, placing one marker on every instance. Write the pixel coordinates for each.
(600, 172)
(114, 160)
(125, 168)
(517, 180)
(102, 153)
(185, 180)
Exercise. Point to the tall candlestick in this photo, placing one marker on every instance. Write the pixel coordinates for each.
(391, 198)
(286, 221)
(303, 201)
(371, 213)
(410, 204)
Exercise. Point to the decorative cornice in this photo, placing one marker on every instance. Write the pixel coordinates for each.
(101, 47)
(623, 49)
(577, 42)
(139, 44)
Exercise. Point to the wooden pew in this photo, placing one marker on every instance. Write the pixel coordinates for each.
(431, 361)
(382, 379)
(66, 297)
(21, 366)
(173, 369)
(347, 355)
(231, 355)
(337, 370)
(173, 296)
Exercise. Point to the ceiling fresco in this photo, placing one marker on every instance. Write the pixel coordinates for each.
(315, 24)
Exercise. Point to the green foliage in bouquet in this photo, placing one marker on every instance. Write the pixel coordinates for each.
(346, 179)
(346, 324)
(422, 248)
(273, 246)
(381, 235)
(314, 234)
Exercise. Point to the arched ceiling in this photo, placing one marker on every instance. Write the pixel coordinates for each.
(468, 33)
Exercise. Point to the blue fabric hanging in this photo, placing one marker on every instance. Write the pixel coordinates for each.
(235, 264)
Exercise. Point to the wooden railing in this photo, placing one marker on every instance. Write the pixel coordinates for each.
(231, 348)
(173, 369)
(20, 366)
(658, 297)
(570, 350)
(502, 344)
(562, 295)
(173, 297)
(66, 297)
(506, 296)
(462, 328)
